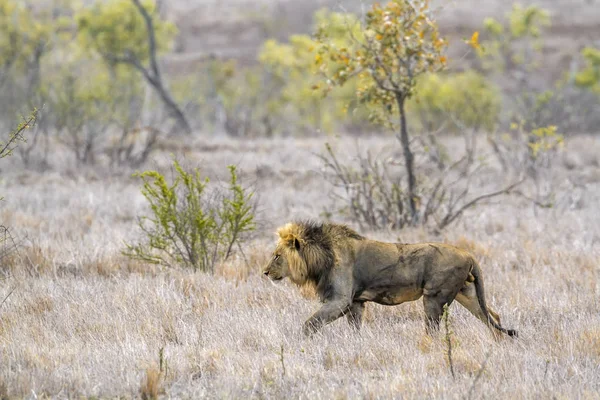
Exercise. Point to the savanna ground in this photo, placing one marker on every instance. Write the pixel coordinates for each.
(78, 319)
(81, 320)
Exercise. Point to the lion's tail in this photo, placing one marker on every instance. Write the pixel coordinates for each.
(476, 272)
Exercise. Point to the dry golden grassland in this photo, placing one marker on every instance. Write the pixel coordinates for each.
(80, 320)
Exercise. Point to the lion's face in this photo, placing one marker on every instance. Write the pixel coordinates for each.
(278, 267)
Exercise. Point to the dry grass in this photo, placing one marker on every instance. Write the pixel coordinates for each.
(83, 321)
(152, 384)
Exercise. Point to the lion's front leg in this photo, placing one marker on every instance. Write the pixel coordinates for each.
(355, 314)
(329, 312)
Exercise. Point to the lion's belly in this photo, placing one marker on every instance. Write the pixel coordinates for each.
(390, 297)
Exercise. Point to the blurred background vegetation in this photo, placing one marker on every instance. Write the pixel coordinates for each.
(113, 78)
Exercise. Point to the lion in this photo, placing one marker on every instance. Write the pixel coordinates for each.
(348, 270)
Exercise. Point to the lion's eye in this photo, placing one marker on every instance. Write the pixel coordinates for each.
(276, 257)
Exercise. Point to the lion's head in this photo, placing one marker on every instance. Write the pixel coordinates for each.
(287, 260)
(305, 251)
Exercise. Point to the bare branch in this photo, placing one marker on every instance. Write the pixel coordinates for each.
(17, 136)
(450, 218)
(478, 376)
(534, 201)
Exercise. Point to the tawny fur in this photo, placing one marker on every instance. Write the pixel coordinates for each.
(349, 270)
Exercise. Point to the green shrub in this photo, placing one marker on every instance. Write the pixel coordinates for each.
(516, 42)
(6, 148)
(298, 64)
(456, 101)
(589, 76)
(117, 30)
(278, 95)
(244, 101)
(525, 150)
(192, 224)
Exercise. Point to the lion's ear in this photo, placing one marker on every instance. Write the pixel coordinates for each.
(289, 237)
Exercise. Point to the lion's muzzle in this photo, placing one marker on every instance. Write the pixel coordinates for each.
(272, 276)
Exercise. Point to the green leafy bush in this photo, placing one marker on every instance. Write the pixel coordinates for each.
(589, 76)
(515, 43)
(297, 65)
(456, 101)
(192, 224)
(243, 101)
(279, 94)
(115, 28)
(527, 150)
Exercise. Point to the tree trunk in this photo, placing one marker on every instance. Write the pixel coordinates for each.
(408, 159)
(154, 76)
(172, 106)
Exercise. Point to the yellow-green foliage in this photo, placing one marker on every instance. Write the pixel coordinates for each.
(455, 101)
(29, 35)
(544, 139)
(250, 100)
(532, 145)
(589, 76)
(82, 92)
(16, 136)
(12, 40)
(25, 31)
(6, 148)
(245, 98)
(296, 65)
(528, 21)
(190, 224)
(396, 44)
(117, 29)
(525, 24)
(73, 82)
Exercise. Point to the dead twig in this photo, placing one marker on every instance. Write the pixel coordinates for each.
(7, 296)
(449, 218)
(478, 376)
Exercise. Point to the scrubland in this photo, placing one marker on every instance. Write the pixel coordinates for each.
(99, 87)
(80, 320)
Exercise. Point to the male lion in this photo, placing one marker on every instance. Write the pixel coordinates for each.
(348, 270)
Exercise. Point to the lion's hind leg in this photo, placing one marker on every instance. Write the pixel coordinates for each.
(434, 308)
(467, 297)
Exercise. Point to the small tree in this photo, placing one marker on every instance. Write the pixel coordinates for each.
(189, 223)
(396, 44)
(28, 35)
(128, 32)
